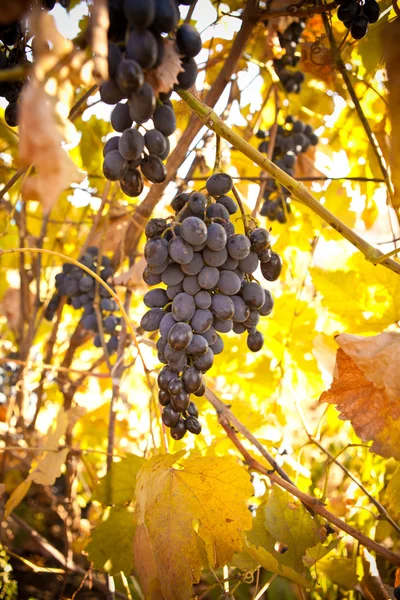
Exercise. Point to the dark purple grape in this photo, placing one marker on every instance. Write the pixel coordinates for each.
(198, 203)
(166, 16)
(242, 311)
(153, 169)
(250, 263)
(210, 336)
(203, 299)
(120, 117)
(114, 165)
(260, 239)
(173, 275)
(188, 40)
(142, 104)
(192, 379)
(359, 27)
(139, 13)
(238, 246)
(155, 227)
(219, 184)
(180, 401)
(180, 251)
(198, 345)
(156, 251)
(228, 203)
(191, 285)
(218, 347)
(229, 282)
(208, 277)
(371, 10)
(194, 266)
(215, 259)
(179, 430)
(222, 307)
(111, 144)
(141, 47)
(216, 237)
(164, 377)
(194, 230)
(217, 211)
(255, 341)
(272, 269)
(193, 425)
(183, 307)
(268, 305)
(253, 294)
(180, 336)
(347, 10)
(205, 361)
(164, 119)
(187, 78)
(131, 144)
(175, 386)
(223, 326)
(156, 298)
(179, 201)
(192, 410)
(110, 93)
(155, 142)
(151, 319)
(169, 416)
(201, 320)
(164, 397)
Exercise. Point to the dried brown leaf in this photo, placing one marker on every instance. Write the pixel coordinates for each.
(366, 389)
(164, 77)
(391, 47)
(317, 59)
(133, 277)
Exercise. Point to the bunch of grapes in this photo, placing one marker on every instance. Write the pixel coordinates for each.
(12, 54)
(292, 139)
(357, 16)
(291, 80)
(208, 270)
(80, 289)
(139, 32)
(9, 374)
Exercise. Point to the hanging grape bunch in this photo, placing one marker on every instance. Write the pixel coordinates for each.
(138, 45)
(207, 269)
(289, 39)
(13, 53)
(292, 139)
(80, 289)
(357, 16)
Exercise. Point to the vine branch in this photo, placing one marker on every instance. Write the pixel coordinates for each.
(210, 118)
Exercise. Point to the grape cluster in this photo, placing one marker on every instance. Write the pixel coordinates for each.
(12, 54)
(292, 139)
(291, 80)
(138, 37)
(80, 289)
(9, 374)
(208, 270)
(357, 16)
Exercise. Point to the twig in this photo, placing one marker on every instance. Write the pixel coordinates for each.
(297, 11)
(299, 191)
(99, 23)
(266, 178)
(241, 207)
(309, 501)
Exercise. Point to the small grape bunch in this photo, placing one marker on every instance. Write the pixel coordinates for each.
(292, 138)
(145, 120)
(80, 289)
(210, 289)
(289, 39)
(357, 16)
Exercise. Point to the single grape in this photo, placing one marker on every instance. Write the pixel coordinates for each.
(131, 144)
(155, 142)
(242, 311)
(210, 336)
(120, 117)
(174, 290)
(260, 239)
(175, 386)
(140, 13)
(156, 298)
(156, 251)
(272, 269)
(165, 324)
(238, 246)
(194, 266)
(180, 251)
(191, 285)
(179, 201)
(224, 326)
(222, 307)
(219, 184)
(205, 361)
(265, 255)
(268, 305)
(201, 320)
(173, 275)
(255, 341)
(179, 430)
(230, 264)
(164, 377)
(218, 347)
(151, 319)
(110, 93)
(228, 203)
(183, 307)
(178, 365)
(141, 46)
(229, 283)
(359, 27)
(253, 294)
(164, 119)
(155, 227)
(194, 230)
(250, 263)
(129, 76)
(142, 104)
(89, 322)
(180, 336)
(198, 203)
(153, 169)
(192, 410)
(193, 425)
(198, 345)
(187, 78)
(203, 299)
(370, 10)
(180, 401)
(239, 328)
(169, 416)
(114, 165)
(215, 258)
(164, 398)
(208, 277)
(216, 237)
(173, 356)
(253, 319)
(166, 16)
(188, 40)
(192, 379)
(159, 268)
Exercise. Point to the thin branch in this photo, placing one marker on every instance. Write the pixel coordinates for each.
(312, 503)
(99, 23)
(266, 178)
(298, 11)
(299, 191)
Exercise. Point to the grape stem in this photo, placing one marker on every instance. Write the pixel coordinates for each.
(296, 188)
(240, 203)
(217, 154)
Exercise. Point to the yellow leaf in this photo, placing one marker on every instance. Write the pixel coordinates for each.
(270, 563)
(194, 513)
(16, 497)
(340, 570)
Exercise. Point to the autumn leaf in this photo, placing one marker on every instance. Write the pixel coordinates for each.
(366, 389)
(341, 571)
(110, 547)
(393, 491)
(195, 513)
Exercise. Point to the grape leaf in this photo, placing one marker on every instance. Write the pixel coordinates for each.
(366, 389)
(118, 486)
(111, 548)
(194, 513)
(340, 570)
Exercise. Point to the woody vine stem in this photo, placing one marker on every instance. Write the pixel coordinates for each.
(296, 188)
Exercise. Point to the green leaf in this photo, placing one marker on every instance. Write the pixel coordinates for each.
(118, 486)
(317, 552)
(111, 546)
